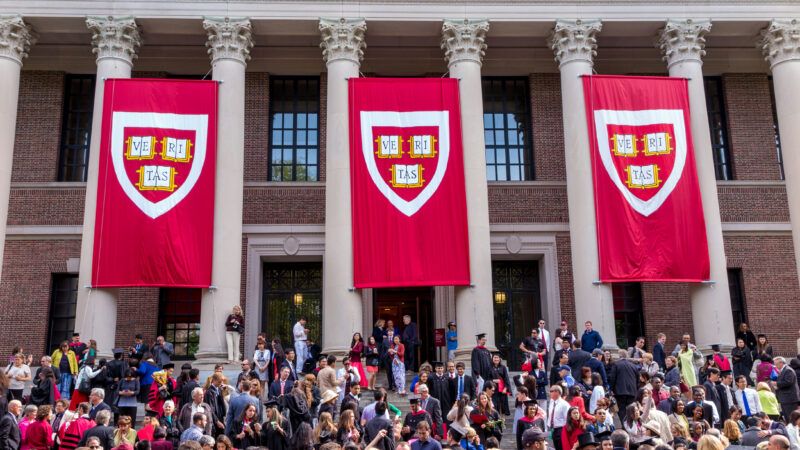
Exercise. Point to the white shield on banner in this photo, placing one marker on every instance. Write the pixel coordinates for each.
(605, 117)
(440, 119)
(194, 122)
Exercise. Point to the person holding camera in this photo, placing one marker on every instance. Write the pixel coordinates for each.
(347, 376)
(234, 327)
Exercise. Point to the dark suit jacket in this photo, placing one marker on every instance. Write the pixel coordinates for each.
(275, 388)
(216, 402)
(106, 435)
(9, 433)
(577, 359)
(659, 355)
(469, 387)
(375, 425)
(708, 411)
(786, 391)
(292, 369)
(624, 378)
(185, 392)
(597, 367)
(712, 395)
(102, 406)
(434, 409)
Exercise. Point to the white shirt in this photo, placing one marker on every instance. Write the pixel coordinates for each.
(197, 408)
(598, 392)
(15, 371)
(299, 332)
(753, 401)
(556, 413)
(544, 334)
(794, 437)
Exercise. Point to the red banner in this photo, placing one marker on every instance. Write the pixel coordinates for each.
(407, 183)
(650, 224)
(155, 196)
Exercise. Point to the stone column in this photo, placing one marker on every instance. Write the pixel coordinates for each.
(683, 45)
(15, 39)
(574, 45)
(342, 48)
(229, 42)
(780, 44)
(464, 44)
(114, 41)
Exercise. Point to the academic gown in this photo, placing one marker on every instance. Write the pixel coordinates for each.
(481, 363)
(500, 399)
(440, 389)
(413, 419)
(272, 438)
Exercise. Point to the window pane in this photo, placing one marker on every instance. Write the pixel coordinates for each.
(179, 312)
(718, 126)
(63, 299)
(294, 105)
(506, 104)
(76, 127)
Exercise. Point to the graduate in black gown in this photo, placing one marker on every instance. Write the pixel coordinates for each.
(481, 361)
(499, 376)
(413, 418)
(439, 384)
(275, 433)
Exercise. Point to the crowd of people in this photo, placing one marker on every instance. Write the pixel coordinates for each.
(569, 393)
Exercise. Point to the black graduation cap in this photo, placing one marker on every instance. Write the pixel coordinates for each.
(497, 353)
(117, 351)
(78, 334)
(715, 347)
(679, 442)
(603, 436)
(480, 335)
(636, 443)
(271, 403)
(529, 403)
(168, 366)
(413, 401)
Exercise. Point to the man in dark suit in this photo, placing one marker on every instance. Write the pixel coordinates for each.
(97, 404)
(566, 347)
(289, 363)
(9, 427)
(213, 397)
(461, 384)
(597, 366)
(281, 386)
(712, 393)
(786, 388)
(434, 409)
(698, 395)
(101, 431)
(624, 381)
(239, 403)
(185, 392)
(578, 358)
(659, 354)
(139, 348)
(376, 425)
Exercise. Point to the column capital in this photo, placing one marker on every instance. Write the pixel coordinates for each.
(780, 41)
(464, 40)
(229, 38)
(343, 38)
(683, 40)
(114, 37)
(574, 40)
(16, 38)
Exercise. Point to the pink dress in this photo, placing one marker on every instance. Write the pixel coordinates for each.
(355, 361)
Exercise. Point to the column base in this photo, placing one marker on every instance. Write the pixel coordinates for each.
(211, 358)
(338, 351)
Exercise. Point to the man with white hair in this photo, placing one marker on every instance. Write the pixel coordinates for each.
(9, 427)
(433, 408)
(786, 389)
(101, 431)
(197, 406)
(96, 400)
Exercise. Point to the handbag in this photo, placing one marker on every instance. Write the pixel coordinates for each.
(85, 386)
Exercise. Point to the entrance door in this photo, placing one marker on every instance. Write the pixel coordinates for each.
(517, 306)
(392, 304)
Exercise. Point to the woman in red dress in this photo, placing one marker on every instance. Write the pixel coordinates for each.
(356, 349)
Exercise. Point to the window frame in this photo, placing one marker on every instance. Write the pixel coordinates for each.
(67, 118)
(776, 128)
(295, 99)
(737, 294)
(626, 293)
(526, 163)
(298, 275)
(181, 296)
(52, 319)
(721, 151)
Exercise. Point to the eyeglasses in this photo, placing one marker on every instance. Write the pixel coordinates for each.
(95, 446)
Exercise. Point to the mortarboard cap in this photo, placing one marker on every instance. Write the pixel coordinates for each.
(603, 436)
(168, 366)
(533, 435)
(480, 335)
(117, 351)
(413, 401)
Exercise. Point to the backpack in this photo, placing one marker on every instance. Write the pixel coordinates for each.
(85, 385)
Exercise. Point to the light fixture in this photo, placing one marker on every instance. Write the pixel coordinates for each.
(298, 299)
(500, 297)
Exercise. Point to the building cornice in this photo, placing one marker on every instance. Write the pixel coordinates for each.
(114, 37)
(343, 39)
(780, 41)
(228, 38)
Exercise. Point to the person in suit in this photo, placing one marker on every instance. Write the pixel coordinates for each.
(434, 408)
(566, 347)
(162, 351)
(139, 348)
(196, 404)
(101, 431)
(710, 414)
(712, 394)
(624, 381)
(578, 357)
(281, 386)
(378, 423)
(96, 400)
(596, 364)
(462, 383)
(659, 352)
(238, 404)
(216, 401)
(9, 427)
(786, 388)
(288, 362)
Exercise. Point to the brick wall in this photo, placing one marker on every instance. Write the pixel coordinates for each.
(38, 133)
(137, 312)
(548, 127)
(34, 206)
(25, 290)
(771, 286)
(526, 203)
(750, 125)
(667, 309)
(753, 203)
(565, 285)
(256, 126)
(284, 204)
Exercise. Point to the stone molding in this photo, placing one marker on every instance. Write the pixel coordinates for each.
(683, 40)
(575, 40)
(16, 38)
(464, 40)
(228, 38)
(114, 37)
(343, 39)
(780, 41)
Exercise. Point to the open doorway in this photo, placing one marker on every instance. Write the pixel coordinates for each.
(392, 304)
